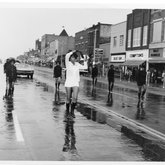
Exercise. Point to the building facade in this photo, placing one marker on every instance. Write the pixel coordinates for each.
(81, 41)
(90, 39)
(137, 38)
(60, 47)
(117, 48)
(157, 42)
(45, 40)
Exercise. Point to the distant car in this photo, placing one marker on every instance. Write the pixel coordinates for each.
(25, 70)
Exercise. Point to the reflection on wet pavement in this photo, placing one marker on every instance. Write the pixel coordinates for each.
(124, 101)
(86, 137)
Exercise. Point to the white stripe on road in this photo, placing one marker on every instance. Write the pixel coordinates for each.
(19, 135)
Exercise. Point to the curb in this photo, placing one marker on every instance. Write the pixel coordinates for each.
(153, 147)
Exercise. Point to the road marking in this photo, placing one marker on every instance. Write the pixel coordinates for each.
(19, 135)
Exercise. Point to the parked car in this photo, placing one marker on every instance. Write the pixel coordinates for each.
(25, 70)
(83, 72)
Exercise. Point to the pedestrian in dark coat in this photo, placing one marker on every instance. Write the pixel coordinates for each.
(111, 78)
(11, 76)
(141, 82)
(94, 75)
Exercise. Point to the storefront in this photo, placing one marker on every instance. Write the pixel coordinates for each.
(156, 63)
(117, 61)
(136, 58)
(133, 60)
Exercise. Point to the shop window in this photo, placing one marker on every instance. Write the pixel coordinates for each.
(136, 36)
(145, 31)
(157, 28)
(129, 39)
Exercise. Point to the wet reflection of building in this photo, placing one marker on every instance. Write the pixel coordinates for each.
(110, 99)
(140, 114)
(70, 138)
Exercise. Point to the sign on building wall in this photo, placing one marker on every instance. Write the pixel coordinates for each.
(118, 58)
(98, 52)
(137, 55)
(156, 53)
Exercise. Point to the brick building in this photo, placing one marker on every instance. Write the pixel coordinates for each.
(137, 38)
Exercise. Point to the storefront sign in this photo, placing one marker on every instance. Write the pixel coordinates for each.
(156, 53)
(118, 58)
(137, 55)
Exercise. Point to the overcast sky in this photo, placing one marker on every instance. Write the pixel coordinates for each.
(21, 25)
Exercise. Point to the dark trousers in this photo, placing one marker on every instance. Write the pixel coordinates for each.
(110, 85)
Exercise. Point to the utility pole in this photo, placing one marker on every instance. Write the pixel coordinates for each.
(94, 46)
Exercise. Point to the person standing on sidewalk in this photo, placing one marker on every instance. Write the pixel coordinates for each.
(73, 79)
(163, 78)
(11, 74)
(111, 78)
(94, 75)
(141, 82)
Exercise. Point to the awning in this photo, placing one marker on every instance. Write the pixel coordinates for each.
(157, 61)
(133, 63)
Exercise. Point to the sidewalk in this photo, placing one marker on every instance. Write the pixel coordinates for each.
(152, 141)
(152, 88)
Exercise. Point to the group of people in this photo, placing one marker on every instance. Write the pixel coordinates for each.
(140, 79)
(72, 81)
(11, 76)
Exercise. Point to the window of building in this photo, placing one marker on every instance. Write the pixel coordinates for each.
(136, 36)
(157, 28)
(145, 31)
(121, 40)
(114, 41)
(163, 30)
(129, 39)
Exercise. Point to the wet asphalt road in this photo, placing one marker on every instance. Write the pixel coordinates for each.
(33, 127)
(125, 102)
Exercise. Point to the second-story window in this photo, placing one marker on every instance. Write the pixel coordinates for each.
(145, 30)
(129, 39)
(157, 29)
(121, 40)
(114, 41)
(136, 36)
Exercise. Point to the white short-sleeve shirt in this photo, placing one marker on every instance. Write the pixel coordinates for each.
(73, 71)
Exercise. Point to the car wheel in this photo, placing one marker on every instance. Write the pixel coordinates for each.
(32, 76)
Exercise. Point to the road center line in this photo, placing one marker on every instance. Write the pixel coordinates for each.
(19, 135)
